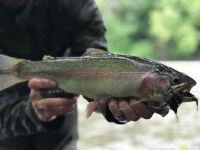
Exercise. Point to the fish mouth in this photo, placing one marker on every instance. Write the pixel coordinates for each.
(188, 97)
(180, 94)
(183, 90)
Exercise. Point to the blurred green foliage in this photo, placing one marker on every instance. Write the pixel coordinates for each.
(158, 29)
(184, 148)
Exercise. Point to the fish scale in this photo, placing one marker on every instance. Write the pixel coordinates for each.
(102, 75)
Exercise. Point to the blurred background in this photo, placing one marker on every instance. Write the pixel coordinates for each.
(163, 30)
(159, 29)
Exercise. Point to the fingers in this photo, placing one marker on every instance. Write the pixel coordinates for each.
(122, 110)
(48, 108)
(129, 109)
(141, 109)
(54, 103)
(37, 83)
(115, 110)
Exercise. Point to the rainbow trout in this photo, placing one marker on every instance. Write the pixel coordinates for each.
(102, 75)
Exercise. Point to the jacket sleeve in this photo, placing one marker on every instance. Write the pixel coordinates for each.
(90, 30)
(17, 116)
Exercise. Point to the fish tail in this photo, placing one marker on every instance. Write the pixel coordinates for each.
(7, 71)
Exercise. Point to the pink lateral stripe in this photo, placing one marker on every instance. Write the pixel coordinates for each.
(97, 73)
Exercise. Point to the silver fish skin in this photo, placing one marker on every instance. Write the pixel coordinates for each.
(103, 75)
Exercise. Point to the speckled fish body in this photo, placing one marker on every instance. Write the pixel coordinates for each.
(105, 75)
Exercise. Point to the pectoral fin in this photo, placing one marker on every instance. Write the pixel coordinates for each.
(90, 108)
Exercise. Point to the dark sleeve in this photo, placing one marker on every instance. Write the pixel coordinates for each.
(90, 29)
(18, 118)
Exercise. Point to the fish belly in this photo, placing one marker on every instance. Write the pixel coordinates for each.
(102, 86)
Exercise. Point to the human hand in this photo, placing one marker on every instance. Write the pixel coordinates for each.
(47, 109)
(129, 109)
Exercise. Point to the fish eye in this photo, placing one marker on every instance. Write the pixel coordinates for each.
(176, 80)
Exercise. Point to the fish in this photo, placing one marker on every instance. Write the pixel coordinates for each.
(101, 75)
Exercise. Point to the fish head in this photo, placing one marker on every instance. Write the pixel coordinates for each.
(180, 87)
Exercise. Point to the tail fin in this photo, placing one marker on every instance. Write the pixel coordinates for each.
(7, 78)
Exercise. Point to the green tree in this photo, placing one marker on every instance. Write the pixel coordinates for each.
(175, 27)
(159, 29)
(127, 24)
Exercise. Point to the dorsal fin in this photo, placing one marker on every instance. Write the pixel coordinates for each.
(95, 52)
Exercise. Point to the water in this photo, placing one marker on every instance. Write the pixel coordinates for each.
(158, 133)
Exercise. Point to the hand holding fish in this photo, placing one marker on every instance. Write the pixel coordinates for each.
(47, 109)
(128, 109)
